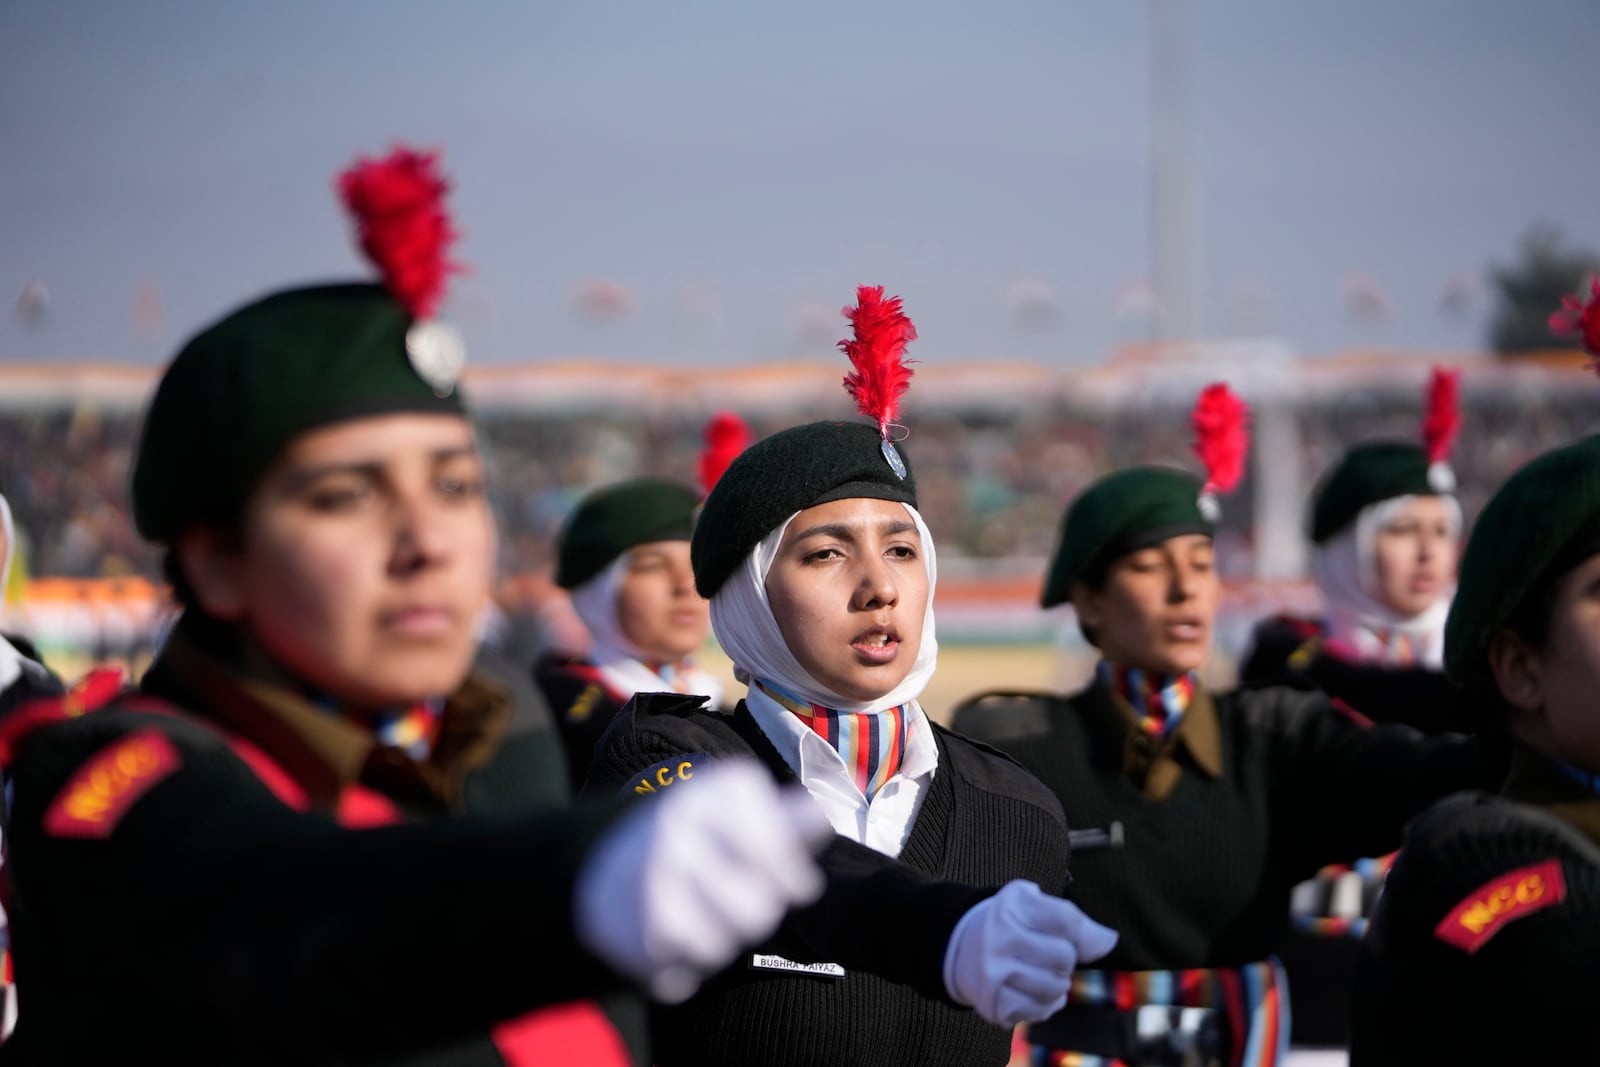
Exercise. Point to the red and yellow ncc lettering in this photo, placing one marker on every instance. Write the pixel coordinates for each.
(1516, 895)
(662, 775)
(95, 798)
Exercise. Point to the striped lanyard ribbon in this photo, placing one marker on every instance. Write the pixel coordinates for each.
(872, 743)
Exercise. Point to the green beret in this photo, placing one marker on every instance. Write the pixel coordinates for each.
(1369, 474)
(1119, 514)
(614, 519)
(242, 389)
(780, 475)
(1524, 537)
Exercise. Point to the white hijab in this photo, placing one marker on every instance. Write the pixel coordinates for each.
(620, 662)
(8, 531)
(741, 617)
(1346, 570)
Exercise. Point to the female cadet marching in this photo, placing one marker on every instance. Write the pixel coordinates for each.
(1485, 948)
(314, 836)
(820, 573)
(1194, 812)
(1385, 528)
(623, 555)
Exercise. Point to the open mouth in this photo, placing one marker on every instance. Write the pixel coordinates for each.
(877, 646)
(1185, 629)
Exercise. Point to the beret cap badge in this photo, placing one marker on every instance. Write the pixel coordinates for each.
(398, 207)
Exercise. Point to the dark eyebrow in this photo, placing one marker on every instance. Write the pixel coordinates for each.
(366, 468)
(847, 531)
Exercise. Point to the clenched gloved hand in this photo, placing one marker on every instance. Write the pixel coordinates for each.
(691, 877)
(1012, 956)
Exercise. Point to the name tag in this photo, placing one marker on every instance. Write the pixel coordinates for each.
(763, 962)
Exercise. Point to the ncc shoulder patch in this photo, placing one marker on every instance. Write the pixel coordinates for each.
(101, 791)
(1515, 895)
(583, 707)
(668, 772)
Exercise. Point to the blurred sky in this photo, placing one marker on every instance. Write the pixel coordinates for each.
(738, 167)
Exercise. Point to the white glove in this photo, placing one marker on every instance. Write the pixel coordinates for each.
(1011, 957)
(689, 878)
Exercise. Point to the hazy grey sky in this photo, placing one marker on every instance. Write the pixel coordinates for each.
(739, 167)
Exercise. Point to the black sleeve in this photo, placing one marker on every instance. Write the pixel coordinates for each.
(1342, 789)
(1273, 642)
(1418, 697)
(296, 932)
(877, 914)
(1287, 652)
(881, 916)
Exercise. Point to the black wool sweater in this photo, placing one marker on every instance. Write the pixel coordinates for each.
(983, 822)
(1201, 877)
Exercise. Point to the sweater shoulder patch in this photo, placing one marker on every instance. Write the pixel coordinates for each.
(667, 773)
(1485, 911)
(101, 791)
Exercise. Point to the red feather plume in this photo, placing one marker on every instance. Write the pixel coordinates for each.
(398, 207)
(1221, 437)
(882, 373)
(1581, 319)
(1443, 418)
(726, 436)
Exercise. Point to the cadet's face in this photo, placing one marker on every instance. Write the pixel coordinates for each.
(1416, 555)
(365, 558)
(1569, 669)
(1156, 607)
(849, 589)
(656, 603)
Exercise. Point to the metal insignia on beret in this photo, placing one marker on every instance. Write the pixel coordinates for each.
(891, 454)
(437, 354)
(1210, 508)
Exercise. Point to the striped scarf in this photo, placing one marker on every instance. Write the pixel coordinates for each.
(1399, 648)
(871, 743)
(1158, 700)
(413, 730)
(676, 675)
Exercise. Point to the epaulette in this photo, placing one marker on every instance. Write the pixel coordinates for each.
(97, 689)
(1001, 714)
(986, 775)
(593, 677)
(642, 706)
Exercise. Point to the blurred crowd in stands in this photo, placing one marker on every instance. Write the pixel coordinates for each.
(992, 485)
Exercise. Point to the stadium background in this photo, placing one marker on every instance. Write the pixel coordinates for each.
(998, 450)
